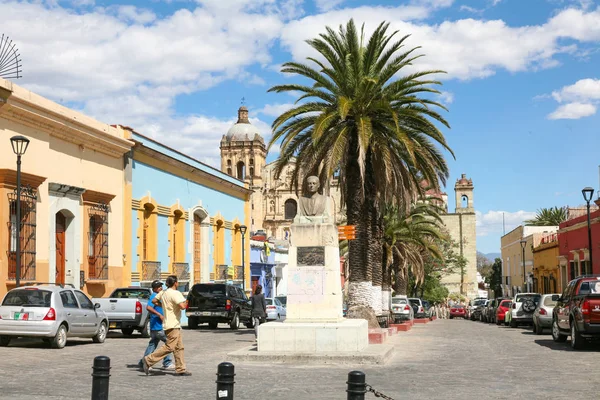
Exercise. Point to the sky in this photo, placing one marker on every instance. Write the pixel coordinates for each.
(522, 83)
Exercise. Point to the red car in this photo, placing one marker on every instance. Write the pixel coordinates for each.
(457, 311)
(501, 311)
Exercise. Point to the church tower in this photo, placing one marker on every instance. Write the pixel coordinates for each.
(463, 190)
(243, 156)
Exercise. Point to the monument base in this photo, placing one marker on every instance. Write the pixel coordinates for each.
(351, 335)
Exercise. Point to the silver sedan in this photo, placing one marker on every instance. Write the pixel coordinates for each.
(52, 313)
(542, 316)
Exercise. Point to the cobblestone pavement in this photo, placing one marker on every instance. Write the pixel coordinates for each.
(445, 359)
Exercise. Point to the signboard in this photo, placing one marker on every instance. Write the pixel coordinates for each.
(347, 232)
(310, 256)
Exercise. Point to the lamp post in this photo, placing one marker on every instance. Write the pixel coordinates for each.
(587, 195)
(243, 229)
(19, 146)
(523, 244)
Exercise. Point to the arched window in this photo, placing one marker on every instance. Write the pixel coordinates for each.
(251, 171)
(229, 171)
(465, 201)
(291, 209)
(252, 161)
(229, 163)
(241, 170)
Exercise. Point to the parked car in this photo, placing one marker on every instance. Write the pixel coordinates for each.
(457, 311)
(523, 306)
(52, 313)
(502, 310)
(126, 310)
(542, 316)
(577, 312)
(491, 311)
(275, 310)
(282, 300)
(401, 309)
(484, 311)
(215, 303)
(418, 308)
(476, 308)
(427, 308)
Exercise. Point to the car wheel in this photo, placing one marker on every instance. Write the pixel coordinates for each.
(101, 334)
(249, 324)
(127, 331)
(577, 342)
(513, 323)
(235, 321)
(556, 335)
(534, 327)
(193, 323)
(538, 330)
(5, 341)
(146, 331)
(213, 325)
(451, 317)
(60, 340)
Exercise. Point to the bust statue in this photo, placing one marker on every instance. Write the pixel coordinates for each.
(312, 203)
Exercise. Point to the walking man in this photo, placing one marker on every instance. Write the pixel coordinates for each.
(157, 334)
(172, 302)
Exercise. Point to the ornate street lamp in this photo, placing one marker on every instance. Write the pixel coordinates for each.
(588, 192)
(19, 146)
(243, 229)
(523, 244)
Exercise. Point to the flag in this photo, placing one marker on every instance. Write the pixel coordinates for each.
(267, 249)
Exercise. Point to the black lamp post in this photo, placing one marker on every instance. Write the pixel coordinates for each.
(523, 244)
(243, 229)
(19, 146)
(587, 195)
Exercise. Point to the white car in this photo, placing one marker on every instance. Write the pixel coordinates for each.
(401, 308)
(523, 306)
(275, 310)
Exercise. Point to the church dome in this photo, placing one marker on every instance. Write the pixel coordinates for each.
(243, 129)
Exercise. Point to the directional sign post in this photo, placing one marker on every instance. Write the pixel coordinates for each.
(347, 232)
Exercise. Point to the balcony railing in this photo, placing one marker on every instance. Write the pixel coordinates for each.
(150, 270)
(553, 237)
(182, 271)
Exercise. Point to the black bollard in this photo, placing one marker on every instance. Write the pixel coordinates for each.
(357, 386)
(225, 374)
(100, 376)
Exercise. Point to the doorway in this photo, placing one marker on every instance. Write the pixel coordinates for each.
(61, 228)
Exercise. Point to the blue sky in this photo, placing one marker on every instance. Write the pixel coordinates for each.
(522, 87)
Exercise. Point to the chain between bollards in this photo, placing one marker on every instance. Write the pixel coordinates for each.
(100, 377)
(357, 386)
(225, 382)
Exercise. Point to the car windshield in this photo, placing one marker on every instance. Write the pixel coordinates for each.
(522, 297)
(479, 302)
(398, 301)
(415, 302)
(458, 307)
(282, 299)
(269, 302)
(589, 287)
(548, 302)
(131, 294)
(505, 304)
(209, 289)
(28, 297)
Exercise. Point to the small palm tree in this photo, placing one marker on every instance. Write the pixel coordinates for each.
(549, 216)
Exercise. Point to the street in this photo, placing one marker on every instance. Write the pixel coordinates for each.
(445, 359)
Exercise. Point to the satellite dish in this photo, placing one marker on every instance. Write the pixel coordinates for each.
(10, 63)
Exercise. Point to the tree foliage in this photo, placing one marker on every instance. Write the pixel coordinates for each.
(549, 216)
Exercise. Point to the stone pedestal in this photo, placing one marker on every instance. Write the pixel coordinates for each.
(314, 321)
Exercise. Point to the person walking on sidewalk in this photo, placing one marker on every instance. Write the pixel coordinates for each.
(157, 334)
(259, 309)
(172, 302)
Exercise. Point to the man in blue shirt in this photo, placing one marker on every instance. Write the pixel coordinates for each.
(157, 334)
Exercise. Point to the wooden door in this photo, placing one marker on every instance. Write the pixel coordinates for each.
(61, 226)
(197, 244)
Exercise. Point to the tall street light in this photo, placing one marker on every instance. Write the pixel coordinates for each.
(243, 229)
(588, 192)
(523, 244)
(19, 146)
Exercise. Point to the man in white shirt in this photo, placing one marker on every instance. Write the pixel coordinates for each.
(172, 302)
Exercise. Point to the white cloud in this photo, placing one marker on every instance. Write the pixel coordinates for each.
(466, 48)
(134, 14)
(446, 97)
(573, 111)
(498, 222)
(275, 110)
(471, 9)
(582, 98)
(326, 5)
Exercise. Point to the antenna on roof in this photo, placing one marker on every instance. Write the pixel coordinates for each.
(10, 63)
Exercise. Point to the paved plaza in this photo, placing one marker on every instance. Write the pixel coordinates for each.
(445, 359)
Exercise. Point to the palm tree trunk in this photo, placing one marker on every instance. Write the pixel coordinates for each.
(359, 287)
(386, 284)
(375, 249)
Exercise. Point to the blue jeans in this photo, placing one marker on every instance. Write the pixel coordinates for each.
(155, 338)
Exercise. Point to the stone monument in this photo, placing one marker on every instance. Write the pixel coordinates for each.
(314, 322)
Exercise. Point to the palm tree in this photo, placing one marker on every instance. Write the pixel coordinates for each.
(549, 216)
(376, 131)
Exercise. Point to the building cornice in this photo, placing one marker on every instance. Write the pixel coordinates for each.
(27, 108)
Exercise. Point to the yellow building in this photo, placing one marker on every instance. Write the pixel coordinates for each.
(546, 274)
(72, 199)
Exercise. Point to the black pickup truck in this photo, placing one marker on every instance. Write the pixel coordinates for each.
(215, 303)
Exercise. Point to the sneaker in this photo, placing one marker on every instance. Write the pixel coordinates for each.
(184, 373)
(170, 367)
(145, 366)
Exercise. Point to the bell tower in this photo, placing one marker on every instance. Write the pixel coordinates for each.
(463, 190)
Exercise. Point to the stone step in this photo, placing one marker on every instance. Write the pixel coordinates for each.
(378, 336)
(403, 327)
